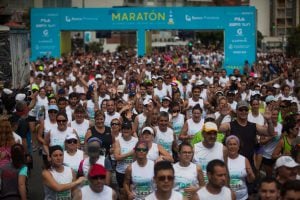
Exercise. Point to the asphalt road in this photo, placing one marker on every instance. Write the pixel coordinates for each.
(35, 183)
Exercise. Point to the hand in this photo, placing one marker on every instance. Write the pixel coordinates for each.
(268, 112)
(191, 189)
(80, 180)
(160, 158)
(131, 195)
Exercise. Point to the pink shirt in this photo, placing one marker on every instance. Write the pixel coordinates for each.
(4, 155)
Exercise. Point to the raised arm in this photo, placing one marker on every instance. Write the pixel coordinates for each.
(49, 181)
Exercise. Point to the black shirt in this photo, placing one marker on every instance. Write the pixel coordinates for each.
(247, 136)
(105, 137)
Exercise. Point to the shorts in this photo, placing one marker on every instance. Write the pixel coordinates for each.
(268, 162)
(31, 119)
(120, 179)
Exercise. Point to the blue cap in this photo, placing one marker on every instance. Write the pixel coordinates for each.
(53, 107)
(94, 139)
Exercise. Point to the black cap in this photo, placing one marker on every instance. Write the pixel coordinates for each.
(126, 125)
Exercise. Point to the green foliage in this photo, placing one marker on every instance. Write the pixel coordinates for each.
(259, 39)
(211, 38)
(293, 46)
(95, 47)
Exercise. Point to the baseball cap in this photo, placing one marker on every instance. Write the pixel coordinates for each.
(199, 82)
(242, 104)
(147, 101)
(7, 91)
(184, 76)
(286, 161)
(174, 83)
(61, 91)
(147, 128)
(126, 125)
(219, 92)
(276, 85)
(231, 93)
(210, 116)
(270, 98)
(94, 139)
(98, 76)
(120, 88)
(20, 97)
(71, 136)
(210, 126)
(97, 170)
(35, 87)
(53, 107)
(166, 98)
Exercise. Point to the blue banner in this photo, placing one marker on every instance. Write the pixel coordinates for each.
(238, 24)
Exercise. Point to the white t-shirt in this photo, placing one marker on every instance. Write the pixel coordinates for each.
(88, 194)
(174, 196)
(109, 118)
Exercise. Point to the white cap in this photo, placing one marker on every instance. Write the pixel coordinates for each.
(71, 136)
(276, 85)
(233, 78)
(98, 76)
(286, 161)
(147, 101)
(210, 126)
(199, 82)
(7, 91)
(20, 97)
(166, 98)
(120, 88)
(147, 128)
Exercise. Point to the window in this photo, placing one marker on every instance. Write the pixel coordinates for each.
(56, 3)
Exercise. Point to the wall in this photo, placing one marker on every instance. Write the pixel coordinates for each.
(263, 15)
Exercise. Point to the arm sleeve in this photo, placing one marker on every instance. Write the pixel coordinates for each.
(107, 164)
(23, 171)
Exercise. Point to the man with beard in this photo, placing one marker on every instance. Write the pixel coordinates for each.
(217, 178)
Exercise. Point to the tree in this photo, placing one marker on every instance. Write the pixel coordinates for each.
(293, 46)
(211, 38)
(95, 47)
(259, 38)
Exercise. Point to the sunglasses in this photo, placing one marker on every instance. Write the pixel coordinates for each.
(176, 111)
(243, 109)
(164, 178)
(187, 152)
(72, 141)
(141, 150)
(52, 111)
(61, 121)
(115, 124)
(101, 177)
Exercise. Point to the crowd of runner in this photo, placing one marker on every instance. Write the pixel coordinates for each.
(172, 125)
